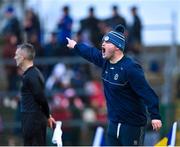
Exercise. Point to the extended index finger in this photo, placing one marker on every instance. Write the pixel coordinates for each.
(68, 39)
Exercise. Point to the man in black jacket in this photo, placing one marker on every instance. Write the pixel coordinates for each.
(34, 106)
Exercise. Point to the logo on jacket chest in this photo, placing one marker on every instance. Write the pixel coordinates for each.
(116, 76)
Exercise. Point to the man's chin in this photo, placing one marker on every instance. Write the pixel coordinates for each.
(105, 57)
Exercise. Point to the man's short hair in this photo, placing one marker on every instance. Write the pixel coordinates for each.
(29, 49)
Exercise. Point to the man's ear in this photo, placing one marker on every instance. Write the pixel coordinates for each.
(23, 54)
(117, 49)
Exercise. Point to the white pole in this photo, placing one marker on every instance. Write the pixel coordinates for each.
(173, 137)
(98, 137)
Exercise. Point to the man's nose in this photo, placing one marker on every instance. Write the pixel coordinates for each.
(103, 43)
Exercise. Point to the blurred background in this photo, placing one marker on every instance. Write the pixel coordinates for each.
(73, 85)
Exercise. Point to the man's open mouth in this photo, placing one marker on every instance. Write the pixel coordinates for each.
(103, 50)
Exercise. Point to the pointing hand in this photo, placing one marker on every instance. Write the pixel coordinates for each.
(71, 43)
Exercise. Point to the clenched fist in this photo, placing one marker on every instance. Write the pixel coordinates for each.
(156, 124)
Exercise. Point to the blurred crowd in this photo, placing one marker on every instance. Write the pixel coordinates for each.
(74, 91)
(91, 31)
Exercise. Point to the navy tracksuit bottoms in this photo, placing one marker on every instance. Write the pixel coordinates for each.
(124, 135)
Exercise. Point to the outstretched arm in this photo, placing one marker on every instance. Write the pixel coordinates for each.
(89, 53)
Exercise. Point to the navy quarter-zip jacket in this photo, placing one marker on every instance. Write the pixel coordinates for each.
(126, 89)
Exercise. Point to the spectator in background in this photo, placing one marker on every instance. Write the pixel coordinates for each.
(60, 77)
(1, 125)
(58, 72)
(104, 27)
(134, 37)
(83, 37)
(76, 107)
(116, 18)
(12, 25)
(67, 107)
(64, 29)
(64, 25)
(79, 37)
(178, 87)
(94, 90)
(32, 24)
(8, 52)
(33, 39)
(90, 25)
(10, 45)
(52, 47)
(80, 75)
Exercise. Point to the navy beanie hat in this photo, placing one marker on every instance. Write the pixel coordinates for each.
(116, 37)
(9, 9)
